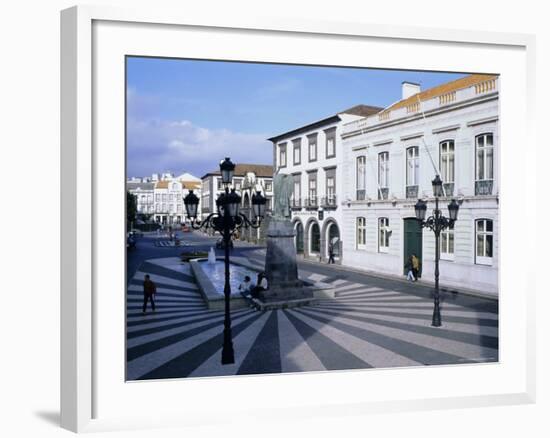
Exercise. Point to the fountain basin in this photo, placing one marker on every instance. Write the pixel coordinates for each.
(211, 280)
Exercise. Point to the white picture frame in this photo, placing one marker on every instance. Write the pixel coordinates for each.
(93, 397)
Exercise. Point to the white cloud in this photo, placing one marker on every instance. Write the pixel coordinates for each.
(178, 145)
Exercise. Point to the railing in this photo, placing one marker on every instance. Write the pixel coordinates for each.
(427, 105)
(485, 87)
(296, 203)
(360, 195)
(484, 187)
(384, 116)
(447, 98)
(383, 193)
(412, 192)
(448, 189)
(413, 107)
(311, 202)
(329, 201)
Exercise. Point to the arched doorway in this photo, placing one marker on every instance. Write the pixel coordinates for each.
(333, 240)
(299, 238)
(314, 239)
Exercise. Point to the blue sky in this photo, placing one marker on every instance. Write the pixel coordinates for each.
(185, 115)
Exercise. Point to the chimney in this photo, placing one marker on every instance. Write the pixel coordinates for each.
(409, 89)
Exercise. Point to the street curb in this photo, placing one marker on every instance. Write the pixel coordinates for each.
(468, 292)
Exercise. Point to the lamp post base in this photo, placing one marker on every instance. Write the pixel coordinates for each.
(436, 318)
(228, 355)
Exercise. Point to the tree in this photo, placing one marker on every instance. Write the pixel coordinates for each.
(131, 209)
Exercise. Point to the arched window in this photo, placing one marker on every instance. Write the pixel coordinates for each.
(484, 242)
(361, 232)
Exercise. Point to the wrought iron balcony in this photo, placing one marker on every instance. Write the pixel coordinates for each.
(295, 204)
(383, 193)
(329, 201)
(484, 187)
(412, 192)
(311, 202)
(448, 189)
(360, 195)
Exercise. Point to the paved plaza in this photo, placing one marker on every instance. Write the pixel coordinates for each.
(371, 323)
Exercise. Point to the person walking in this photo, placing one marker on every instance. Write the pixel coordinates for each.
(331, 253)
(149, 290)
(415, 266)
(409, 268)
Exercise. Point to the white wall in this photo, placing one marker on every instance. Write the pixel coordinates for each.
(29, 86)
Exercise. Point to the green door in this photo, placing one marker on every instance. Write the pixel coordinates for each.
(412, 242)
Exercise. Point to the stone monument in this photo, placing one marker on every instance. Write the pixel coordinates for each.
(280, 261)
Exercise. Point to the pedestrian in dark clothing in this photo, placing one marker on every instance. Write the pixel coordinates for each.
(330, 253)
(149, 291)
(261, 285)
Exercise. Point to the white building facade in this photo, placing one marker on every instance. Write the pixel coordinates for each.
(161, 200)
(313, 155)
(389, 160)
(247, 180)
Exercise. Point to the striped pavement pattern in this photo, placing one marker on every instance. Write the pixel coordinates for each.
(365, 326)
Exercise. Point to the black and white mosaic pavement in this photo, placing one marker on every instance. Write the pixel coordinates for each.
(368, 324)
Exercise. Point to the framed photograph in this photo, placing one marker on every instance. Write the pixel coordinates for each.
(271, 208)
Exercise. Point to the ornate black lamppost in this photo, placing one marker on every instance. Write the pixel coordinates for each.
(226, 221)
(437, 223)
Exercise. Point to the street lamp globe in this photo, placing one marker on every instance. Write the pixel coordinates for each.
(258, 203)
(420, 209)
(437, 186)
(227, 169)
(453, 210)
(191, 202)
(233, 203)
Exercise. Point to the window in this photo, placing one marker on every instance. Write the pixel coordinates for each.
(282, 155)
(360, 178)
(157, 197)
(447, 244)
(237, 183)
(330, 135)
(312, 142)
(412, 166)
(171, 197)
(383, 174)
(220, 184)
(361, 233)
(484, 164)
(164, 196)
(383, 234)
(447, 165)
(297, 148)
(484, 242)
(312, 189)
(296, 193)
(330, 187)
(268, 186)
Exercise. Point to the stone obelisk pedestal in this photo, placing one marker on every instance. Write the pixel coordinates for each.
(280, 264)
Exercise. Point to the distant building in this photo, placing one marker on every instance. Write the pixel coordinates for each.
(313, 155)
(247, 179)
(161, 199)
